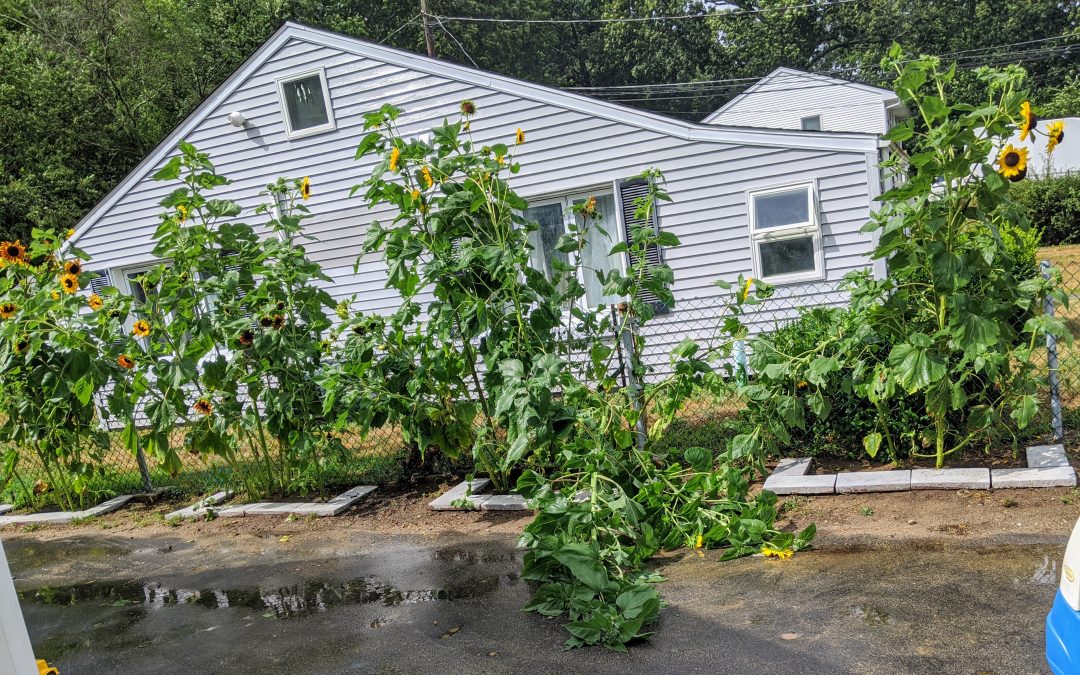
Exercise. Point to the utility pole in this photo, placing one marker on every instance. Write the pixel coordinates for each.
(427, 29)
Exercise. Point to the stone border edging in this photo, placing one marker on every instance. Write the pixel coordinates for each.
(101, 509)
(1048, 466)
(202, 506)
(480, 502)
(334, 507)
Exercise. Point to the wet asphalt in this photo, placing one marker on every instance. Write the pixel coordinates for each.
(412, 604)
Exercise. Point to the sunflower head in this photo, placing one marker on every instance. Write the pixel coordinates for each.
(181, 213)
(73, 267)
(266, 321)
(69, 234)
(203, 407)
(1027, 125)
(278, 321)
(21, 345)
(305, 188)
(95, 302)
(415, 194)
(125, 362)
(1055, 134)
(13, 251)
(141, 328)
(55, 295)
(468, 108)
(395, 158)
(1012, 162)
(246, 338)
(69, 283)
(519, 137)
(425, 173)
(8, 310)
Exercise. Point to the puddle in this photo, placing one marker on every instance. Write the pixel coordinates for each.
(30, 554)
(288, 602)
(474, 556)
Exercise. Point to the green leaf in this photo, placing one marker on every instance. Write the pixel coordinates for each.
(872, 443)
(583, 563)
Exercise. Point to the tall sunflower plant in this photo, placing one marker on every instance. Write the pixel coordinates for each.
(524, 374)
(234, 328)
(64, 376)
(952, 326)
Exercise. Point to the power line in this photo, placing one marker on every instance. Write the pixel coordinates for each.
(638, 19)
(399, 29)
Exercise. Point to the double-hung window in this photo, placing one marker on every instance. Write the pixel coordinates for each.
(554, 217)
(785, 233)
(305, 102)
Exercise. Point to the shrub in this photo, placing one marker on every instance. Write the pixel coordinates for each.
(1053, 205)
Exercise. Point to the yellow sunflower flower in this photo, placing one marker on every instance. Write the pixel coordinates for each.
(70, 283)
(305, 188)
(425, 172)
(1030, 120)
(203, 407)
(21, 345)
(55, 295)
(125, 362)
(181, 213)
(519, 137)
(1012, 162)
(73, 267)
(500, 160)
(1055, 134)
(8, 310)
(395, 158)
(95, 302)
(70, 234)
(779, 553)
(415, 194)
(13, 251)
(746, 288)
(141, 328)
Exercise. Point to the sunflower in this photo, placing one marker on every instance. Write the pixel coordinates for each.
(246, 338)
(95, 302)
(21, 345)
(500, 160)
(280, 305)
(13, 251)
(1012, 162)
(305, 188)
(69, 282)
(203, 407)
(73, 267)
(468, 108)
(55, 295)
(1030, 120)
(181, 213)
(125, 362)
(746, 288)
(781, 553)
(266, 321)
(425, 172)
(69, 234)
(278, 321)
(141, 328)
(415, 194)
(1055, 134)
(519, 137)
(395, 158)
(8, 310)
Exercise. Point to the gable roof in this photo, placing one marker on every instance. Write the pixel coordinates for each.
(888, 98)
(837, 141)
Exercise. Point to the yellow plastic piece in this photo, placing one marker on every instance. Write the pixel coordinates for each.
(45, 669)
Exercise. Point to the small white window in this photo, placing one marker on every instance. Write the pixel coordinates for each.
(305, 102)
(554, 217)
(811, 123)
(785, 233)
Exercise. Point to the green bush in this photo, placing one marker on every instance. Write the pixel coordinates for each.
(1054, 206)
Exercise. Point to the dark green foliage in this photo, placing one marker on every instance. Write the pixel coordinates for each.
(1054, 207)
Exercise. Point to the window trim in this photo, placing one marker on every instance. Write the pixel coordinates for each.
(803, 120)
(331, 123)
(811, 228)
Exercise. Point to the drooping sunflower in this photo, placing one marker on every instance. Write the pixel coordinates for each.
(73, 267)
(468, 108)
(746, 288)
(203, 407)
(780, 553)
(246, 338)
(425, 172)
(519, 136)
(395, 158)
(266, 321)
(278, 321)
(95, 302)
(181, 213)
(1030, 120)
(69, 282)
(8, 310)
(13, 251)
(125, 362)
(305, 188)
(1012, 162)
(1055, 134)
(141, 328)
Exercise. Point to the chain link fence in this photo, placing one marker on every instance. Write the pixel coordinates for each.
(380, 455)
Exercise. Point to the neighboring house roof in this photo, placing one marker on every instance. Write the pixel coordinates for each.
(1065, 158)
(788, 76)
(839, 141)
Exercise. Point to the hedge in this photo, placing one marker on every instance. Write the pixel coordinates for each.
(1055, 207)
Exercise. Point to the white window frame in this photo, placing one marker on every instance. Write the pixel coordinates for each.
(805, 118)
(566, 202)
(331, 123)
(812, 228)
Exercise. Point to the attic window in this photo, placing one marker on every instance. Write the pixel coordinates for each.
(305, 101)
(811, 123)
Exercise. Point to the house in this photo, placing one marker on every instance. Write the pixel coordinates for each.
(783, 205)
(1065, 158)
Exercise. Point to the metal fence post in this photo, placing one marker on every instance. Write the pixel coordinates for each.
(1052, 365)
(626, 339)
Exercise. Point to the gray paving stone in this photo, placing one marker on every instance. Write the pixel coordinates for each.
(950, 479)
(4, 508)
(873, 481)
(272, 508)
(67, 516)
(793, 466)
(1039, 456)
(1048, 476)
(343, 501)
(802, 485)
(504, 503)
(444, 502)
(202, 506)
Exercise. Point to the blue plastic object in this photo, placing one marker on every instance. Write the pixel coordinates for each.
(1063, 638)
